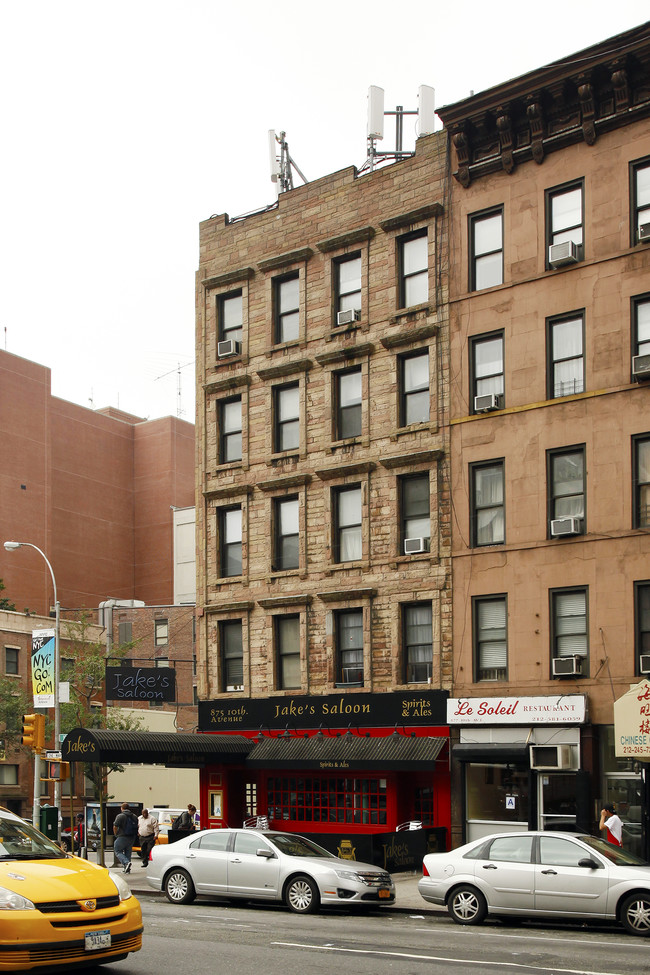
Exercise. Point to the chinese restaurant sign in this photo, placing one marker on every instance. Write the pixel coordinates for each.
(568, 709)
(333, 711)
(632, 723)
(43, 642)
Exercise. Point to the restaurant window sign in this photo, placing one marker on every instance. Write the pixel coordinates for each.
(564, 709)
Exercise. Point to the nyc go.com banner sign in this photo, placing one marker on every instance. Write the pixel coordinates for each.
(43, 643)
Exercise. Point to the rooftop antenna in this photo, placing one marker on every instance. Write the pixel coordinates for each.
(177, 370)
(282, 166)
(425, 112)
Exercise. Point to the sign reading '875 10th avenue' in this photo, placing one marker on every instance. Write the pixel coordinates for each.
(632, 723)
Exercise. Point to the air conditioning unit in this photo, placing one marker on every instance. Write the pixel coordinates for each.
(565, 526)
(235, 687)
(553, 756)
(227, 348)
(413, 546)
(567, 666)
(643, 233)
(348, 316)
(644, 663)
(564, 253)
(352, 675)
(487, 403)
(641, 366)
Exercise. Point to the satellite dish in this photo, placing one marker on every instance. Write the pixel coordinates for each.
(375, 112)
(426, 110)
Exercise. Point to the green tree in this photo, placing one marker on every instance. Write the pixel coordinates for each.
(4, 602)
(14, 702)
(83, 665)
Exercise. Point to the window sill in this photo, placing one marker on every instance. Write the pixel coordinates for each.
(276, 460)
(348, 684)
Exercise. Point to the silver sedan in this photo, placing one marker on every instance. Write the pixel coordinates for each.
(260, 865)
(540, 875)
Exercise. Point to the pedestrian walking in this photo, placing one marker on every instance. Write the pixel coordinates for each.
(610, 822)
(125, 829)
(148, 830)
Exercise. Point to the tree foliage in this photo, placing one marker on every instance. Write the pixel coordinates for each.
(4, 602)
(14, 702)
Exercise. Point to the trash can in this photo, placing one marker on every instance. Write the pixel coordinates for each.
(49, 822)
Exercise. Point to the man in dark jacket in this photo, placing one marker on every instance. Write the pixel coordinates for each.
(125, 829)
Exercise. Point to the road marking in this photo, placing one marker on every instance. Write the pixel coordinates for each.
(460, 961)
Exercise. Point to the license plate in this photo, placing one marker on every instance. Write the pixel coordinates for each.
(383, 892)
(96, 940)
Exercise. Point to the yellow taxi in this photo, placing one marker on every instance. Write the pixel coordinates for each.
(58, 910)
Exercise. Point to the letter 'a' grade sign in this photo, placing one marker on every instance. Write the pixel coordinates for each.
(140, 684)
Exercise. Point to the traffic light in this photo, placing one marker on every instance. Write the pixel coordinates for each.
(33, 731)
(58, 771)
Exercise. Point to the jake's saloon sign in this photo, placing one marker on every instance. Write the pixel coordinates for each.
(140, 684)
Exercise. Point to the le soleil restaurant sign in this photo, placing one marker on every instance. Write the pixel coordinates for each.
(567, 709)
(333, 711)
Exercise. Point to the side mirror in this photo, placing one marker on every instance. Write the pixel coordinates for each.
(266, 853)
(589, 863)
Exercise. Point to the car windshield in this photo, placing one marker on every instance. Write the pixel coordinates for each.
(19, 841)
(618, 856)
(298, 846)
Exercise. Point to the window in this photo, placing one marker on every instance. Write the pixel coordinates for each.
(487, 367)
(347, 517)
(418, 642)
(490, 638)
(286, 536)
(569, 623)
(287, 651)
(231, 312)
(12, 660)
(287, 305)
(414, 389)
(642, 625)
(641, 462)
(231, 541)
(641, 325)
(564, 217)
(486, 246)
(230, 430)
(232, 655)
(347, 284)
(567, 487)
(161, 662)
(286, 428)
(321, 799)
(8, 774)
(414, 512)
(414, 269)
(566, 357)
(124, 632)
(640, 197)
(348, 403)
(349, 646)
(161, 632)
(487, 485)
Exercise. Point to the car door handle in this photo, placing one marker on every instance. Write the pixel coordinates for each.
(191, 856)
(552, 873)
(489, 866)
(235, 860)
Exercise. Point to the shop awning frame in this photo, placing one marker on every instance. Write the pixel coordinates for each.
(346, 751)
(173, 749)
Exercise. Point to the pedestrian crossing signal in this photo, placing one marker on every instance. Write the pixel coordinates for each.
(58, 771)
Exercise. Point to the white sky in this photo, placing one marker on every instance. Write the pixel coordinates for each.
(124, 124)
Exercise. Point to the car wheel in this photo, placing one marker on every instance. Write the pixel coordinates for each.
(179, 887)
(65, 846)
(301, 895)
(467, 905)
(635, 914)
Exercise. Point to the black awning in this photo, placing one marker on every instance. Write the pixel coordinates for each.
(153, 747)
(489, 751)
(345, 752)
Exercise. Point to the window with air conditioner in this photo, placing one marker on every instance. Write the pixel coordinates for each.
(569, 632)
(566, 491)
(641, 338)
(230, 310)
(565, 352)
(640, 201)
(487, 502)
(489, 635)
(565, 224)
(415, 513)
(553, 756)
(349, 646)
(347, 289)
(486, 249)
(232, 655)
(642, 625)
(487, 372)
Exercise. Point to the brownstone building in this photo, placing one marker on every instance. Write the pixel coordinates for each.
(323, 511)
(550, 438)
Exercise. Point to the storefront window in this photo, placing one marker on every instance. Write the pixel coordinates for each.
(320, 799)
(497, 793)
(623, 786)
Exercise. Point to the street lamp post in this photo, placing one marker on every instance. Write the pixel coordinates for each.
(11, 547)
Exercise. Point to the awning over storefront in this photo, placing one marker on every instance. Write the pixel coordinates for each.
(346, 751)
(488, 751)
(154, 748)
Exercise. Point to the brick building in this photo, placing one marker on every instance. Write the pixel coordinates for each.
(323, 511)
(550, 438)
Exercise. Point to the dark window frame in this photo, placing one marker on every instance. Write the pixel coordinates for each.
(279, 556)
(422, 272)
(343, 413)
(282, 426)
(641, 629)
(227, 547)
(280, 314)
(227, 654)
(408, 395)
(342, 295)
(228, 436)
(553, 498)
(550, 195)
(556, 321)
(409, 513)
(282, 654)
(474, 220)
(476, 508)
(339, 527)
(637, 209)
(639, 346)
(411, 648)
(490, 378)
(500, 673)
(346, 668)
(555, 635)
(12, 669)
(234, 332)
(639, 487)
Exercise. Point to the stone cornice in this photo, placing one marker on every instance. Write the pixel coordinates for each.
(348, 239)
(285, 369)
(229, 607)
(229, 277)
(343, 470)
(283, 483)
(416, 457)
(302, 599)
(412, 216)
(408, 335)
(224, 385)
(285, 260)
(341, 595)
(229, 491)
(345, 353)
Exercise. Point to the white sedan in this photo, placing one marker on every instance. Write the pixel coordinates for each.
(540, 875)
(260, 865)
